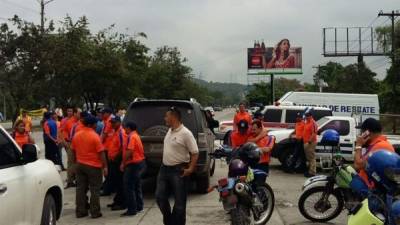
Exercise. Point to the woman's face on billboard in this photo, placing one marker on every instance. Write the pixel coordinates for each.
(285, 45)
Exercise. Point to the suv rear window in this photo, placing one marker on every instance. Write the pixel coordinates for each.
(149, 115)
(273, 115)
(318, 114)
(291, 115)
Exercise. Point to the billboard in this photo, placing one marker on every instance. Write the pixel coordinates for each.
(281, 59)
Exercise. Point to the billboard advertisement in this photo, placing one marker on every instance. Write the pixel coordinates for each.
(281, 59)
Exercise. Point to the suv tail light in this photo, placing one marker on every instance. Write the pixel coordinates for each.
(202, 140)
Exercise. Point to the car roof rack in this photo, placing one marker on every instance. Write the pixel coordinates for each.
(139, 99)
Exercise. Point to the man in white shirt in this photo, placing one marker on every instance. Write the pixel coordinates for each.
(179, 162)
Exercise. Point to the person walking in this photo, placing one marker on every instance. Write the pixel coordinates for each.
(91, 165)
(20, 135)
(115, 175)
(310, 143)
(133, 165)
(179, 161)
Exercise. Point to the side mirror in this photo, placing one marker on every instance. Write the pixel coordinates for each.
(29, 153)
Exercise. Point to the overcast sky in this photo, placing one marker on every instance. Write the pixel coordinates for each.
(214, 34)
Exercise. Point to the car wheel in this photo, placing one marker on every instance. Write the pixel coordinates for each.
(49, 211)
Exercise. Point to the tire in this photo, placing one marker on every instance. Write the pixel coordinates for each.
(49, 216)
(240, 215)
(212, 169)
(270, 197)
(284, 158)
(203, 183)
(314, 218)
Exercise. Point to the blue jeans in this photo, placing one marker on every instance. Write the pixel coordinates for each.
(169, 181)
(133, 186)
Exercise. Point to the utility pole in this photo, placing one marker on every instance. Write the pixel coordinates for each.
(43, 3)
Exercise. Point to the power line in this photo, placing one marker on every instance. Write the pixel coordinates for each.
(20, 6)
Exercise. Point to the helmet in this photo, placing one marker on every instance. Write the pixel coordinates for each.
(237, 168)
(382, 167)
(395, 211)
(330, 137)
(358, 185)
(249, 153)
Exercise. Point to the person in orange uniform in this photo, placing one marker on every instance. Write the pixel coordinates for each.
(310, 143)
(115, 175)
(91, 165)
(20, 135)
(266, 144)
(27, 121)
(370, 141)
(242, 114)
(241, 134)
(299, 148)
(73, 115)
(133, 165)
(79, 125)
(106, 138)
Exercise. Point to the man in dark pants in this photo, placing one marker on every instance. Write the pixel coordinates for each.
(133, 165)
(179, 162)
(50, 139)
(90, 167)
(114, 153)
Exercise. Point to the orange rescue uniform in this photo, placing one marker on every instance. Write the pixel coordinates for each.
(66, 126)
(242, 116)
(299, 130)
(118, 140)
(107, 133)
(269, 142)
(21, 139)
(310, 128)
(135, 145)
(238, 139)
(87, 147)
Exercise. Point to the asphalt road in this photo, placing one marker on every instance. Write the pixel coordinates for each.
(202, 209)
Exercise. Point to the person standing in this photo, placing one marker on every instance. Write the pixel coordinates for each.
(179, 161)
(27, 120)
(310, 143)
(133, 165)
(50, 138)
(73, 115)
(242, 114)
(20, 135)
(115, 175)
(241, 134)
(99, 125)
(106, 138)
(299, 133)
(91, 165)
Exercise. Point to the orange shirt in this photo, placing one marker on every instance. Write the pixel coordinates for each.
(21, 139)
(107, 133)
(267, 141)
(87, 147)
(78, 126)
(135, 145)
(299, 130)
(238, 139)
(66, 126)
(378, 143)
(117, 143)
(28, 122)
(242, 116)
(310, 127)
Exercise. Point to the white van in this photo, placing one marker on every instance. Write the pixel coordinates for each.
(341, 104)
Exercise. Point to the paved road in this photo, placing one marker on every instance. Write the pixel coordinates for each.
(203, 209)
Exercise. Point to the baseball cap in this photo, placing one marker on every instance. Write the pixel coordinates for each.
(372, 125)
(115, 119)
(106, 110)
(90, 120)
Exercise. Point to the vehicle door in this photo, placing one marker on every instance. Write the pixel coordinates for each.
(207, 131)
(346, 139)
(13, 184)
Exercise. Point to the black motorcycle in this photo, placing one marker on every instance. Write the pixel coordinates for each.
(247, 202)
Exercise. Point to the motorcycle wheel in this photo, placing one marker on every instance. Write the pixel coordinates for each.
(267, 198)
(240, 215)
(308, 205)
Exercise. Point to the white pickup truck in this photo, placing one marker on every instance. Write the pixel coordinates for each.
(346, 126)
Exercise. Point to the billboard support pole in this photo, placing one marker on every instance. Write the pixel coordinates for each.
(272, 89)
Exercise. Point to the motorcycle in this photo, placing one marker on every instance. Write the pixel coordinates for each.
(246, 201)
(324, 197)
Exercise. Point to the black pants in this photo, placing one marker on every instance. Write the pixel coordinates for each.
(88, 178)
(115, 178)
(133, 186)
(52, 152)
(169, 181)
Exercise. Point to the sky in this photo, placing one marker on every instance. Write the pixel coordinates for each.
(214, 34)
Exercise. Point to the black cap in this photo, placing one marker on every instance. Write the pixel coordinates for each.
(84, 114)
(106, 110)
(131, 125)
(243, 124)
(372, 125)
(90, 120)
(115, 119)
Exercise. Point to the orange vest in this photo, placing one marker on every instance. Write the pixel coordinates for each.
(21, 139)
(267, 141)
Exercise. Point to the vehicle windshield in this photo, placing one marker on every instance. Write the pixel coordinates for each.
(147, 116)
(322, 121)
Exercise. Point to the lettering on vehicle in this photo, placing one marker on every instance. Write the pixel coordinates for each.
(346, 108)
